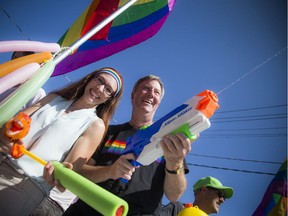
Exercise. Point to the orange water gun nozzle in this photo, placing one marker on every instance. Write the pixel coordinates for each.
(209, 104)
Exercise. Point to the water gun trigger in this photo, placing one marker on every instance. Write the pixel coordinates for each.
(185, 129)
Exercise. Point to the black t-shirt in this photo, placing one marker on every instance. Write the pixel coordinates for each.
(143, 192)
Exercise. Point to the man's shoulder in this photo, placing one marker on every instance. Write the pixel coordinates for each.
(120, 130)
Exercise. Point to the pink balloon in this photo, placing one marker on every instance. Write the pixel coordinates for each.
(36, 46)
(18, 76)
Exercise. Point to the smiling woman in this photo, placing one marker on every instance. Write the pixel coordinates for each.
(72, 121)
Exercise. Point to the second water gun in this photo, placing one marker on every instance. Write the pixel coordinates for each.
(98, 198)
(95, 196)
(190, 118)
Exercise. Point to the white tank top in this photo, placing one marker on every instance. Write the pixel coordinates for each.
(56, 136)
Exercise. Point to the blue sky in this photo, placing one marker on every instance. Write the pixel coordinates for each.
(234, 48)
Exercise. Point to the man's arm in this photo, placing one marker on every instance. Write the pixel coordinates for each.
(175, 148)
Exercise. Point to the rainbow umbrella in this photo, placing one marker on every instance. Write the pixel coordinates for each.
(138, 23)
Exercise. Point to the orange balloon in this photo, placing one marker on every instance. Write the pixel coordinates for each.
(15, 64)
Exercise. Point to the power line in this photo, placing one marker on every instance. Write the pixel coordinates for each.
(17, 26)
(255, 108)
(245, 135)
(235, 159)
(252, 119)
(231, 169)
(248, 129)
(277, 115)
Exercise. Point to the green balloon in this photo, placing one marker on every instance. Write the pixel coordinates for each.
(11, 105)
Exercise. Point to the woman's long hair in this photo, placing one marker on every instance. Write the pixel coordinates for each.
(74, 91)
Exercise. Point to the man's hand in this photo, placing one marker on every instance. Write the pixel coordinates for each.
(175, 148)
(122, 168)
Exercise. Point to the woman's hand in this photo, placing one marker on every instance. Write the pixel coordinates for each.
(5, 142)
(48, 175)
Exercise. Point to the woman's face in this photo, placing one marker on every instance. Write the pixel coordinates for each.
(102, 87)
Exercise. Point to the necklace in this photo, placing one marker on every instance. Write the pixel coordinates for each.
(139, 127)
(71, 108)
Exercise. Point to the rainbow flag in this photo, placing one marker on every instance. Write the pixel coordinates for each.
(138, 23)
(274, 201)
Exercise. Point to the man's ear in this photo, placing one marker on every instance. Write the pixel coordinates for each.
(204, 189)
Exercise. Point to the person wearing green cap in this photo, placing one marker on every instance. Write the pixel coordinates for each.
(209, 194)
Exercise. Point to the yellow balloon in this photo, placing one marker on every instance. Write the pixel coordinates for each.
(190, 210)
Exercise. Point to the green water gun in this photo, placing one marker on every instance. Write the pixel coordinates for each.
(98, 198)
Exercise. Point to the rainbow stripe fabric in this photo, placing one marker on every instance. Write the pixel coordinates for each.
(138, 23)
(274, 202)
(114, 147)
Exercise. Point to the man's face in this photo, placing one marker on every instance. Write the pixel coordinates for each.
(147, 96)
(214, 199)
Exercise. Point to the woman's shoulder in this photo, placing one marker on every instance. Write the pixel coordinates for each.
(98, 122)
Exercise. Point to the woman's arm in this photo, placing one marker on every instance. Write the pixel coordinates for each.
(32, 109)
(86, 144)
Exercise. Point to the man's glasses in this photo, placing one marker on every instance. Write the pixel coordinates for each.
(219, 193)
(107, 89)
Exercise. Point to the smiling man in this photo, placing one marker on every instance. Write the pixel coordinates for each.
(146, 184)
(210, 194)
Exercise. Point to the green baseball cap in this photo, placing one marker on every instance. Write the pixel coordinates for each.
(214, 183)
